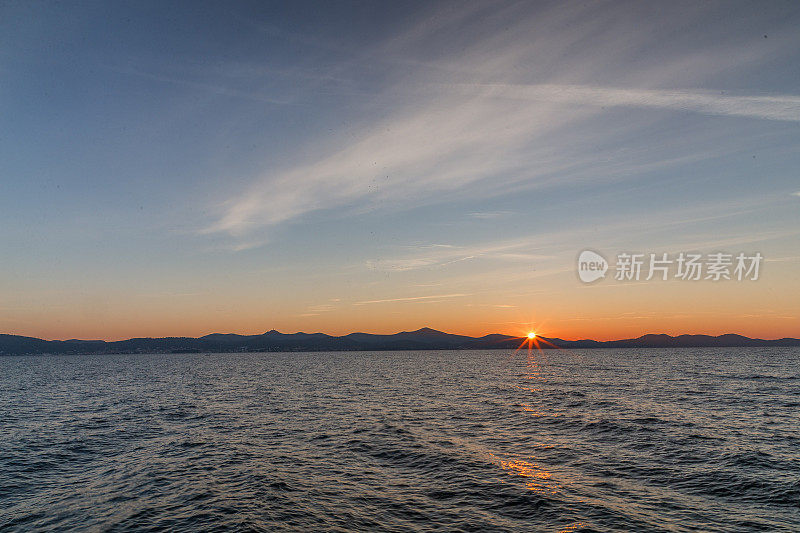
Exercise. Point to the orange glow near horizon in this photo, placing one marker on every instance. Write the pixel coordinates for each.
(611, 315)
(600, 330)
(561, 308)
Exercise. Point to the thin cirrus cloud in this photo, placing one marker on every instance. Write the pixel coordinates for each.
(488, 215)
(439, 256)
(412, 299)
(679, 222)
(776, 107)
(449, 146)
(467, 124)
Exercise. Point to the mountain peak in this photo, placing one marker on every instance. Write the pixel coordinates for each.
(428, 331)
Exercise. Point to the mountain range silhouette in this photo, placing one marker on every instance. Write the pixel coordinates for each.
(421, 339)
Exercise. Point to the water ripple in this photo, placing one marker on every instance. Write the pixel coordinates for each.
(594, 440)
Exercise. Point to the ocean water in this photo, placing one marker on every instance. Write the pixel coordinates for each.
(588, 440)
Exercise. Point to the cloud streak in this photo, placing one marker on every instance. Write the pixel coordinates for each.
(412, 299)
(439, 256)
(777, 107)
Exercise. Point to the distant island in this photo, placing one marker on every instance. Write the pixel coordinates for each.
(421, 339)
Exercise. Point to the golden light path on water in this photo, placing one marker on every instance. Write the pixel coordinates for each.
(536, 478)
(536, 475)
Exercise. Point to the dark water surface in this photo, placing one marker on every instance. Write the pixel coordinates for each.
(593, 440)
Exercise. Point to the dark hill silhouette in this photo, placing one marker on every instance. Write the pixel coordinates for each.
(421, 339)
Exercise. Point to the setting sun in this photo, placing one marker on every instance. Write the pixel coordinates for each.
(531, 335)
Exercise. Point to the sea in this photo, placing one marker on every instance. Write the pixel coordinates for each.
(496, 440)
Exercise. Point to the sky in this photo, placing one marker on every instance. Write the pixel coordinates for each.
(184, 168)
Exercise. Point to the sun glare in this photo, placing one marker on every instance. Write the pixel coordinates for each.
(531, 335)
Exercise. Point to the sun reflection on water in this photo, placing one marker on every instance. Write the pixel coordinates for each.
(536, 476)
(572, 527)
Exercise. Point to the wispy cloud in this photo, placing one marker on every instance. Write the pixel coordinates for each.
(544, 247)
(777, 107)
(321, 308)
(505, 111)
(316, 310)
(486, 215)
(412, 299)
(441, 148)
(438, 256)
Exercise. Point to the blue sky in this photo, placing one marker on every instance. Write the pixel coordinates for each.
(171, 169)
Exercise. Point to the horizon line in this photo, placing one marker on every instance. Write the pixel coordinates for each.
(578, 339)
